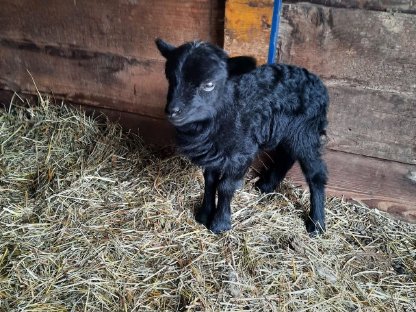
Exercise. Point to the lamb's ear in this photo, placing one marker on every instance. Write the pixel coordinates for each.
(240, 65)
(164, 47)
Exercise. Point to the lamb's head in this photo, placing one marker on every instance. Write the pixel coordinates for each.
(197, 73)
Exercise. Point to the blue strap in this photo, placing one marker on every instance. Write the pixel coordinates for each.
(274, 33)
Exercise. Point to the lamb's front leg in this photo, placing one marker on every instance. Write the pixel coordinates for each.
(221, 221)
(205, 213)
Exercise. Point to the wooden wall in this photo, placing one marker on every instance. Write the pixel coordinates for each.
(365, 51)
(102, 53)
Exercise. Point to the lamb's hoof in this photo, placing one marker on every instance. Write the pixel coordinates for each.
(264, 187)
(315, 228)
(202, 217)
(220, 226)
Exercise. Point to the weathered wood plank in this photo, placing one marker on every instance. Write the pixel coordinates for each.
(380, 184)
(404, 6)
(99, 53)
(372, 123)
(126, 27)
(98, 79)
(365, 47)
(366, 59)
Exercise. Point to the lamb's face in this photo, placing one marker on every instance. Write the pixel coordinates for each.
(197, 73)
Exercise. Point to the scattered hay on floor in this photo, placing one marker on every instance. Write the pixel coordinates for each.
(91, 220)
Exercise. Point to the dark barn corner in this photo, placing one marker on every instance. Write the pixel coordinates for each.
(91, 219)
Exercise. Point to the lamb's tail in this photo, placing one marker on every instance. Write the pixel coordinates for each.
(323, 134)
(323, 123)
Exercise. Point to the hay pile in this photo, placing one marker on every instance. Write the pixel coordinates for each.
(91, 220)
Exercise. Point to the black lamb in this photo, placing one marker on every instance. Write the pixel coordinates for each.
(225, 110)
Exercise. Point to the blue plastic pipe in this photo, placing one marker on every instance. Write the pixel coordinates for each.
(274, 33)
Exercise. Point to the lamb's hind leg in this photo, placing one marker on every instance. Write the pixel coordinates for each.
(207, 210)
(315, 172)
(283, 161)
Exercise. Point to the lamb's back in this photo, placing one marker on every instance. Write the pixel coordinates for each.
(284, 88)
(272, 97)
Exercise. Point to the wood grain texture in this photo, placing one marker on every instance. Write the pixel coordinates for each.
(358, 46)
(404, 6)
(99, 53)
(365, 58)
(372, 123)
(125, 27)
(103, 80)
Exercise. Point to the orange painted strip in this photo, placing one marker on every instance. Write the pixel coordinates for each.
(247, 22)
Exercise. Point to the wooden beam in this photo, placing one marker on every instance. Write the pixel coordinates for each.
(373, 123)
(125, 28)
(366, 48)
(98, 79)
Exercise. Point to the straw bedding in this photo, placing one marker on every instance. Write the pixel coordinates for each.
(92, 220)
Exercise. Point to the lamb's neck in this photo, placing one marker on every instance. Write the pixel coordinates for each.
(196, 142)
(195, 133)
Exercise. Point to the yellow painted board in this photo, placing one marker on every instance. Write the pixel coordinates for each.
(247, 28)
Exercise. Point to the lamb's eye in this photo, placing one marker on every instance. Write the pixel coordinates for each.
(208, 86)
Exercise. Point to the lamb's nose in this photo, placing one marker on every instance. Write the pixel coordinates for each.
(175, 111)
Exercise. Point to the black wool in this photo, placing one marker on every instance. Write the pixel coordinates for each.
(225, 110)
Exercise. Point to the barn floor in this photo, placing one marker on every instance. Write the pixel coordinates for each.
(91, 220)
